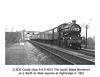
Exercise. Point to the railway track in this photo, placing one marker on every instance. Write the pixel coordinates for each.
(66, 56)
(83, 51)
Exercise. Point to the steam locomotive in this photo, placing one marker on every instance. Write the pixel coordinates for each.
(65, 35)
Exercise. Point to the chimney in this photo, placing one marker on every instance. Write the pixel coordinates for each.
(74, 21)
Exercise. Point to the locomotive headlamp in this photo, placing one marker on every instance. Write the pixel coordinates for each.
(70, 38)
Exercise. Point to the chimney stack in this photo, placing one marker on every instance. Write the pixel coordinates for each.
(74, 21)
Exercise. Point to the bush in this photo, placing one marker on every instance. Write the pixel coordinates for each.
(90, 42)
(12, 37)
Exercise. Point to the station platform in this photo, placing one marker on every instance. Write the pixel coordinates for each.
(24, 53)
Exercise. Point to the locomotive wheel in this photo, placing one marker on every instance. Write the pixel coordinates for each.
(70, 45)
(80, 47)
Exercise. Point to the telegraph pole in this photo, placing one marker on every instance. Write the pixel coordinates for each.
(86, 37)
(86, 27)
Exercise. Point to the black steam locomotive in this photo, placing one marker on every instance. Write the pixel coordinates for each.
(65, 35)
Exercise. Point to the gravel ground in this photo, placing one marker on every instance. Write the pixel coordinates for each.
(25, 54)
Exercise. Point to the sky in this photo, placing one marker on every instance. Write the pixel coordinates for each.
(41, 15)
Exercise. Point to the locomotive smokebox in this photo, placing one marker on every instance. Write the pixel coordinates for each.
(75, 29)
(71, 29)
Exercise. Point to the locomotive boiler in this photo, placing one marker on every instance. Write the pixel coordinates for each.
(65, 35)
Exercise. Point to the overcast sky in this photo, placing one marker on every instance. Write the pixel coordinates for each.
(41, 15)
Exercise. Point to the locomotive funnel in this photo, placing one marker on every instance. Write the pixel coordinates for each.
(74, 21)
